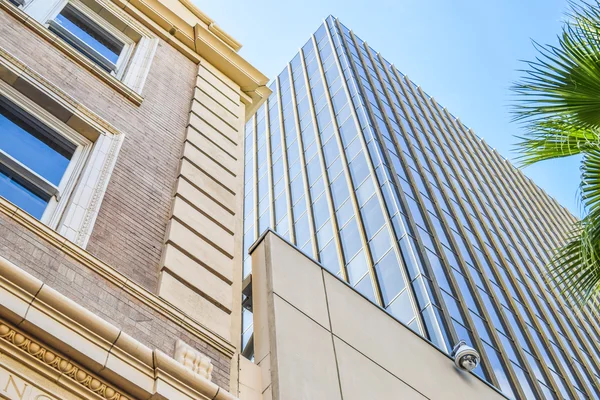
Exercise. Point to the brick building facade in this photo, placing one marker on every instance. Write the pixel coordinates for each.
(121, 257)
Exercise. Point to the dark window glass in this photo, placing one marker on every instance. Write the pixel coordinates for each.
(90, 33)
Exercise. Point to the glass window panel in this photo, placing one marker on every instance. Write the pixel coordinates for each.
(359, 169)
(45, 153)
(318, 188)
(348, 129)
(499, 370)
(390, 277)
(357, 268)
(302, 231)
(350, 238)
(380, 244)
(524, 382)
(365, 191)
(325, 234)
(321, 211)
(345, 212)
(372, 216)
(335, 169)
(407, 246)
(90, 33)
(15, 192)
(329, 258)
(481, 327)
(283, 226)
(438, 271)
(431, 317)
(402, 308)
(365, 287)
(339, 191)
(300, 207)
(452, 306)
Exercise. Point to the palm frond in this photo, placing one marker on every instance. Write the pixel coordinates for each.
(554, 138)
(558, 102)
(576, 266)
(564, 81)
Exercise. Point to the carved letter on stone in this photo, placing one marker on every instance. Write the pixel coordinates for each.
(193, 360)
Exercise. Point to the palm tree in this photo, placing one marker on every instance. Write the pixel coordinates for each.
(558, 101)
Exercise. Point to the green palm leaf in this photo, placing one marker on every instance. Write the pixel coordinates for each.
(559, 107)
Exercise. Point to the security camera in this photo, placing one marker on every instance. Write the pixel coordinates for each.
(465, 357)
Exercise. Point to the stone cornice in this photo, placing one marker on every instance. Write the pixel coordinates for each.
(111, 275)
(55, 336)
(212, 26)
(204, 39)
(197, 41)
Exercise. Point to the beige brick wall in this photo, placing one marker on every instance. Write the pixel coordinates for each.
(79, 283)
(129, 233)
(130, 228)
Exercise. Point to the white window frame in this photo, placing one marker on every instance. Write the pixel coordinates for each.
(75, 203)
(139, 43)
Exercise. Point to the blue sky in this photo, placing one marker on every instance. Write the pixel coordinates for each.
(464, 53)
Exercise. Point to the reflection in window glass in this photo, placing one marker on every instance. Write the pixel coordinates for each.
(380, 244)
(329, 258)
(357, 268)
(350, 237)
(33, 160)
(401, 308)
(389, 276)
(365, 287)
(15, 192)
(43, 152)
(372, 216)
(92, 40)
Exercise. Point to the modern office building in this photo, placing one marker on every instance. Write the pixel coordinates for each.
(366, 174)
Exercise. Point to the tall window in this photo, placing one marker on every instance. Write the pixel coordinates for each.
(101, 32)
(35, 161)
(93, 37)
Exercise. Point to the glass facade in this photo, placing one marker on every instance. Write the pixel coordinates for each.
(362, 170)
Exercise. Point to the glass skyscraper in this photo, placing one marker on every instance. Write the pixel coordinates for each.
(366, 173)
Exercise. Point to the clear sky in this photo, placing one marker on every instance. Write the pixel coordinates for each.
(464, 53)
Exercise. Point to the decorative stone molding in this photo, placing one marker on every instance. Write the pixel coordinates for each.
(46, 331)
(193, 360)
(60, 364)
(107, 272)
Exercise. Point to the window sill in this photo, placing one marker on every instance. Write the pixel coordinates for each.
(72, 53)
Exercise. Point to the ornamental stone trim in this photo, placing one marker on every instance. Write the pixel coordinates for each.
(193, 360)
(60, 364)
